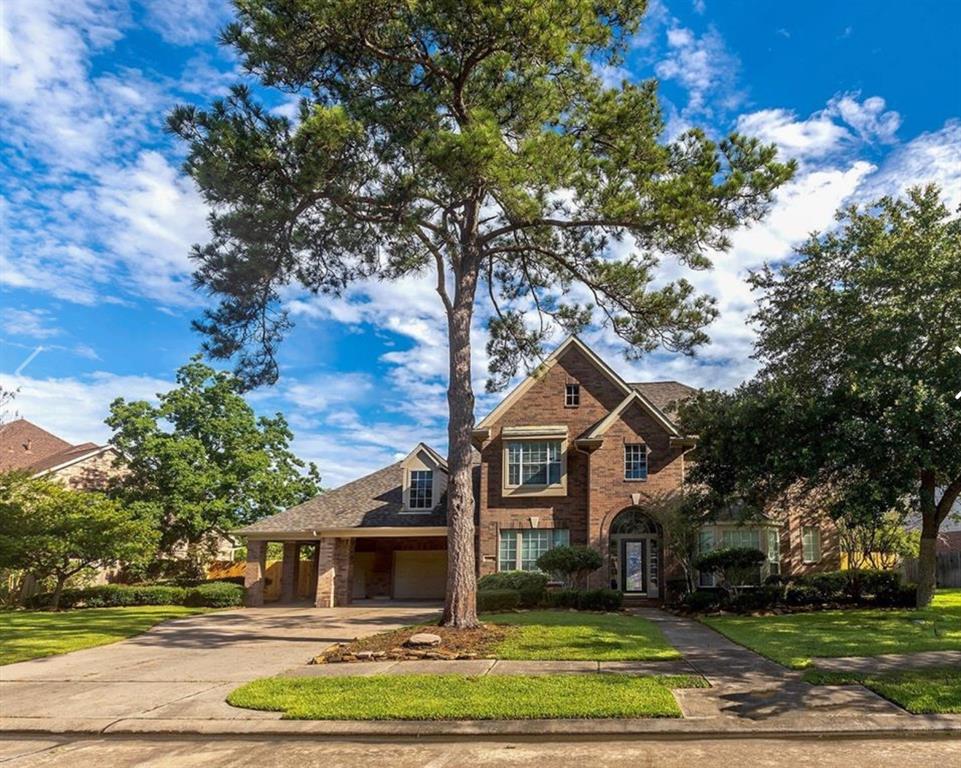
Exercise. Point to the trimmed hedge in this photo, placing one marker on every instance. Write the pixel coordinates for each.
(530, 585)
(586, 599)
(209, 595)
(491, 600)
(828, 589)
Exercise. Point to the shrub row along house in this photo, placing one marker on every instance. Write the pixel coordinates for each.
(574, 455)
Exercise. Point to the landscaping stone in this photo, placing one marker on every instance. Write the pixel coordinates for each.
(423, 639)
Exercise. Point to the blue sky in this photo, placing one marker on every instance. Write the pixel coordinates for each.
(98, 220)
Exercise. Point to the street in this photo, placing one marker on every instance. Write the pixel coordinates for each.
(119, 752)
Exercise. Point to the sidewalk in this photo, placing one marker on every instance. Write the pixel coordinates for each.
(890, 662)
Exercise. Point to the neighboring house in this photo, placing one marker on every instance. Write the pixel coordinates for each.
(575, 454)
(26, 447)
(949, 535)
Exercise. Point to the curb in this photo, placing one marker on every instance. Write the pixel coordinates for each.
(898, 726)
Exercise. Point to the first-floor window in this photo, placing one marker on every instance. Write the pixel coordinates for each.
(421, 489)
(705, 543)
(519, 549)
(534, 462)
(811, 544)
(765, 539)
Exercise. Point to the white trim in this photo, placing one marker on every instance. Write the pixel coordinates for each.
(434, 455)
(392, 532)
(93, 452)
(543, 368)
(554, 431)
(608, 421)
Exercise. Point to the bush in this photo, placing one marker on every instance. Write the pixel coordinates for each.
(531, 585)
(734, 566)
(758, 599)
(801, 594)
(701, 601)
(215, 594)
(489, 600)
(831, 586)
(905, 596)
(209, 595)
(570, 561)
(586, 599)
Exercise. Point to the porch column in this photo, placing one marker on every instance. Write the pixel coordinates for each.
(325, 574)
(254, 574)
(343, 571)
(288, 572)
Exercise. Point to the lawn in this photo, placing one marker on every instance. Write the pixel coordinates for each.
(456, 697)
(541, 635)
(795, 639)
(920, 691)
(32, 634)
(580, 636)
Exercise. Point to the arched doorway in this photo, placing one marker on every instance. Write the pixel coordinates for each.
(635, 553)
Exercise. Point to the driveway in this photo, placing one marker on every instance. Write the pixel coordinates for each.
(182, 668)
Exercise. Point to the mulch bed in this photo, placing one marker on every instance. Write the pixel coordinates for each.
(389, 646)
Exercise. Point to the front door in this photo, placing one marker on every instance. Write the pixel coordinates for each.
(632, 572)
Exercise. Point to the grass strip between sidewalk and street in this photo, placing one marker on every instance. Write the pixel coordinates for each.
(795, 639)
(28, 635)
(457, 697)
(924, 691)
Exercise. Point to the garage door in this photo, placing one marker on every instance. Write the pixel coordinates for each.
(420, 574)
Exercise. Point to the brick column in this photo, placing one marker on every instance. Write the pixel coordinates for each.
(343, 571)
(288, 572)
(254, 575)
(325, 574)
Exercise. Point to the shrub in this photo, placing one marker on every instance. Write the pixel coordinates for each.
(215, 594)
(586, 599)
(767, 596)
(701, 601)
(734, 566)
(489, 600)
(904, 596)
(572, 562)
(831, 586)
(801, 594)
(531, 585)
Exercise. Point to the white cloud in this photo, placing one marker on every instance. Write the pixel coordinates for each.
(186, 21)
(33, 323)
(704, 66)
(868, 118)
(931, 157)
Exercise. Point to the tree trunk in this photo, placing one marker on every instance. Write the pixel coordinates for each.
(460, 606)
(57, 592)
(927, 555)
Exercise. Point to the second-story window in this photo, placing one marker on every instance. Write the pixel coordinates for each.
(421, 489)
(572, 395)
(534, 462)
(635, 461)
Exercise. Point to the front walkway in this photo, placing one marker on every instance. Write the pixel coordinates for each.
(890, 662)
(184, 668)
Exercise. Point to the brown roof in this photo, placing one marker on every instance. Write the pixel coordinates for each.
(73, 453)
(665, 394)
(375, 500)
(24, 444)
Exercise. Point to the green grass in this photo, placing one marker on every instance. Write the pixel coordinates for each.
(33, 634)
(456, 697)
(580, 636)
(920, 691)
(795, 639)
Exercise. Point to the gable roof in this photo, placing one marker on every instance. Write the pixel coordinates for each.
(636, 396)
(23, 444)
(373, 501)
(551, 360)
(665, 395)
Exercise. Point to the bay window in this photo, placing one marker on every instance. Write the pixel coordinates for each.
(519, 549)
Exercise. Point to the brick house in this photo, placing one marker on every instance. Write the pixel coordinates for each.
(575, 454)
(28, 448)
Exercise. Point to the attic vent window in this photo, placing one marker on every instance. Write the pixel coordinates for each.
(421, 489)
(572, 395)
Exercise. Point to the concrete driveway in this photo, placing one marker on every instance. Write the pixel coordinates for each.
(182, 668)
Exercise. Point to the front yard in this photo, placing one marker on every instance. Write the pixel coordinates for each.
(455, 697)
(920, 691)
(795, 639)
(546, 636)
(33, 634)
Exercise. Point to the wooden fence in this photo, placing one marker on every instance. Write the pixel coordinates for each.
(948, 569)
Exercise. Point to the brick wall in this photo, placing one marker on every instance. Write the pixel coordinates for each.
(596, 489)
(91, 474)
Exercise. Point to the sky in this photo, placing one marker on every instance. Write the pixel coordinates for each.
(97, 219)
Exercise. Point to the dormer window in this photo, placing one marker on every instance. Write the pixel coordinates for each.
(421, 489)
(572, 395)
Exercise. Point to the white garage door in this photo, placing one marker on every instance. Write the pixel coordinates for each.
(420, 574)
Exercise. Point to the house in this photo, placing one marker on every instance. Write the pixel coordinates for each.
(26, 447)
(575, 454)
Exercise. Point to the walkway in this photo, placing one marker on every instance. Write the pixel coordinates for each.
(746, 685)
